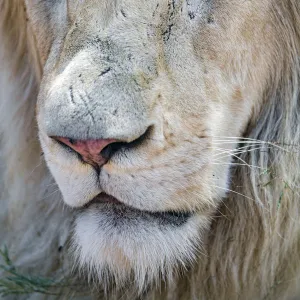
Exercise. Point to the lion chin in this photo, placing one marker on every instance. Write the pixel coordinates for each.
(113, 241)
(150, 149)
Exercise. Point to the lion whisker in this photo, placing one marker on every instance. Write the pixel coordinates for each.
(234, 154)
(240, 194)
(237, 164)
(240, 150)
(249, 142)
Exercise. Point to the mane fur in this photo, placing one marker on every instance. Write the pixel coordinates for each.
(257, 231)
(33, 222)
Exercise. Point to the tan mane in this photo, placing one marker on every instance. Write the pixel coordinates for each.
(26, 184)
(257, 226)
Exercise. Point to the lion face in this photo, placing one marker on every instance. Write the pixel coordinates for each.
(153, 86)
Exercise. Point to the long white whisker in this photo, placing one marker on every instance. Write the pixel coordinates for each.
(237, 193)
(249, 142)
(224, 150)
(240, 152)
(237, 138)
(237, 164)
(237, 157)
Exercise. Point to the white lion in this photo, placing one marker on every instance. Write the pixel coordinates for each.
(171, 131)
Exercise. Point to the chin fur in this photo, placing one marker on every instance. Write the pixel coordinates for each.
(115, 248)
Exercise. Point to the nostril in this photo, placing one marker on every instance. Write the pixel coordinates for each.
(117, 146)
(111, 149)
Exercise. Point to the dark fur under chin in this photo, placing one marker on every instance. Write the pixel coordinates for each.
(122, 215)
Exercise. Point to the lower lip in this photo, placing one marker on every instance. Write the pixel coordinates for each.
(164, 217)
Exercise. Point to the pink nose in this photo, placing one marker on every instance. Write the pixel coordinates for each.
(90, 150)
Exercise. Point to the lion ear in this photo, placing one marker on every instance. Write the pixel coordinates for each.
(17, 38)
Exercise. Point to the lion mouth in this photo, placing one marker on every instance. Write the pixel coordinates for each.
(125, 213)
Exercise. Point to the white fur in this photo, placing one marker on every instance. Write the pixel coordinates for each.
(126, 252)
(245, 71)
